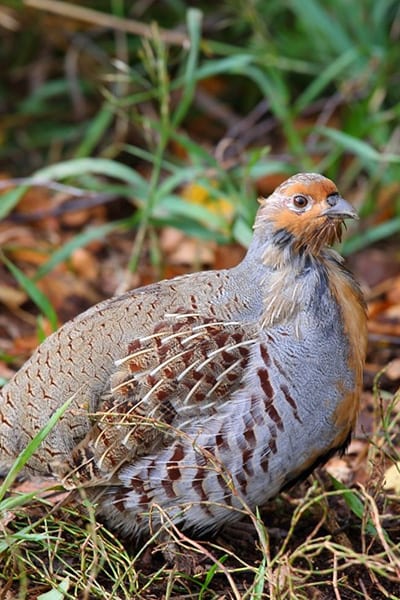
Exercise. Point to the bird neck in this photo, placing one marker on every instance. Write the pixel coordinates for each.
(293, 279)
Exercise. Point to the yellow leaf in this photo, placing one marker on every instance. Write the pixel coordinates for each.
(198, 194)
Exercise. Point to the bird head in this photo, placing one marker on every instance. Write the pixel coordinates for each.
(306, 213)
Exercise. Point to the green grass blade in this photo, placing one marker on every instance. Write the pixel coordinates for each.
(352, 144)
(355, 505)
(191, 227)
(179, 177)
(273, 88)
(25, 455)
(209, 576)
(258, 591)
(58, 593)
(80, 240)
(34, 293)
(174, 206)
(23, 534)
(326, 77)
(17, 500)
(97, 128)
(194, 19)
(242, 232)
(197, 153)
(10, 199)
(319, 23)
(101, 166)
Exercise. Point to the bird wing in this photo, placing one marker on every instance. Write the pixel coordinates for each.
(181, 371)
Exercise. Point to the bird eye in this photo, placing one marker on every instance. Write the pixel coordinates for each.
(300, 201)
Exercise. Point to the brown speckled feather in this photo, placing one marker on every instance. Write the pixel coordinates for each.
(168, 377)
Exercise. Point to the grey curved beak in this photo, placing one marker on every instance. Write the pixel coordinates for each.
(340, 209)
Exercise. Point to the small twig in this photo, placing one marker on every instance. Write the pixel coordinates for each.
(215, 108)
(68, 207)
(250, 120)
(46, 183)
(95, 17)
(375, 517)
(85, 198)
(364, 589)
(326, 113)
(242, 133)
(335, 578)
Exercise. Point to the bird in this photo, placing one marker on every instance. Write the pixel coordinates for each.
(193, 397)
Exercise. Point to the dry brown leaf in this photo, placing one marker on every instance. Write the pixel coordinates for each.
(191, 252)
(392, 371)
(94, 214)
(389, 329)
(392, 478)
(393, 312)
(26, 344)
(67, 293)
(85, 264)
(376, 307)
(16, 235)
(228, 256)
(357, 447)
(182, 250)
(11, 296)
(169, 239)
(393, 293)
(340, 470)
(36, 256)
(35, 201)
(387, 197)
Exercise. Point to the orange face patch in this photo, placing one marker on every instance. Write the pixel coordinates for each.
(309, 227)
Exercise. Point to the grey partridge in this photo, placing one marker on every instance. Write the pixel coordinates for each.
(200, 393)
